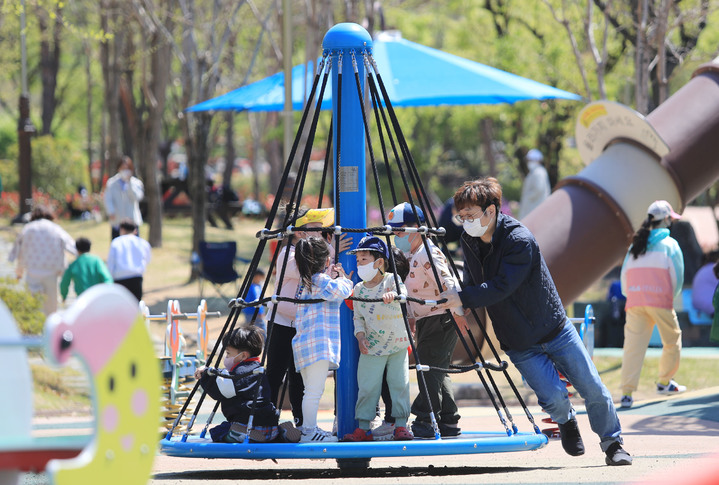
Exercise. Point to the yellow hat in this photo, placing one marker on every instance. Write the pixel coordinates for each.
(324, 216)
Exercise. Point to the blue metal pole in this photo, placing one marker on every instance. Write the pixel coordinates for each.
(343, 39)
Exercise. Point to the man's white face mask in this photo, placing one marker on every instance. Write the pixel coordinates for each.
(475, 228)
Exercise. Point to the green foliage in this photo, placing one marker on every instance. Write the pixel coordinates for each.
(25, 307)
(58, 166)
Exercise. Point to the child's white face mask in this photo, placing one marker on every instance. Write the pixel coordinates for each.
(366, 271)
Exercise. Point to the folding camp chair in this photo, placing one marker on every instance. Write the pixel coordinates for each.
(217, 265)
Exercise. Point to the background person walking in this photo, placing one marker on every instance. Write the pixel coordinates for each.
(652, 276)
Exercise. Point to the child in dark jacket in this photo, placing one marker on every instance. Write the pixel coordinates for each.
(235, 387)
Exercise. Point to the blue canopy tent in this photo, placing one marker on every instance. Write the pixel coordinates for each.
(415, 75)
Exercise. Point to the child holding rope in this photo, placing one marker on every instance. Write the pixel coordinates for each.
(280, 361)
(383, 341)
(316, 346)
(235, 387)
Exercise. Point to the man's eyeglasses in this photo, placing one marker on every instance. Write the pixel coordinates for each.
(469, 219)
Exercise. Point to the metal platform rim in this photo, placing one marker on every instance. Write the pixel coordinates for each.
(468, 443)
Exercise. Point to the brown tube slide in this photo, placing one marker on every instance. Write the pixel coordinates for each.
(585, 227)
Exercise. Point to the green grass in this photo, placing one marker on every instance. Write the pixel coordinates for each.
(695, 373)
(59, 390)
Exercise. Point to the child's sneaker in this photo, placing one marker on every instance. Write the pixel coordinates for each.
(402, 434)
(238, 431)
(358, 435)
(316, 434)
(626, 401)
(671, 388)
(289, 433)
(383, 431)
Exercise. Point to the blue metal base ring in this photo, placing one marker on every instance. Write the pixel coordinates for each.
(467, 443)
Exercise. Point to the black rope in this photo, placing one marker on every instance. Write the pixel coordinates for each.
(365, 122)
(233, 315)
(325, 168)
(409, 162)
(382, 230)
(238, 302)
(339, 152)
(461, 369)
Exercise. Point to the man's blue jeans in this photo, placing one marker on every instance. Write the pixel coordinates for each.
(566, 353)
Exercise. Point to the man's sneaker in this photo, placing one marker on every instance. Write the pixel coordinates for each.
(289, 433)
(383, 431)
(402, 434)
(571, 439)
(627, 401)
(616, 455)
(449, 430)
(316, 434)
(671, 388)
(422, 429)
(358, 435)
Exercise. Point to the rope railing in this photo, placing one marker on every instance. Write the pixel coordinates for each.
(240, 303)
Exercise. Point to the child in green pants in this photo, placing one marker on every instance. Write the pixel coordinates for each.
(383, 341)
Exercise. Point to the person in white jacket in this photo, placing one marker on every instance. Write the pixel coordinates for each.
(536, 185)
(123, 194)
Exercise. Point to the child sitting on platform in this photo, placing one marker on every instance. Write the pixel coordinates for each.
(235, 387)
(316, 346)
(383, 341)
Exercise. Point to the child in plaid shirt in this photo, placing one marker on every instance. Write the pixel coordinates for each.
(316, 346)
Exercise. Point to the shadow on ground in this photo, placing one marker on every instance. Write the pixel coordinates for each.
(332, 473)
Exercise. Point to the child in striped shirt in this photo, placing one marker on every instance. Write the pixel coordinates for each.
(316, 346)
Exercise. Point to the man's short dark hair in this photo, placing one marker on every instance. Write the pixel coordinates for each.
(482, 192)
(83, 244)
(250, 338)
(128, 226)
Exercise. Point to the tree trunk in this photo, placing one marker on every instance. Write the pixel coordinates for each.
(156, 92)
(90, 124)
(641, 63)
(109, 54)
(487, 129)
(49, 64)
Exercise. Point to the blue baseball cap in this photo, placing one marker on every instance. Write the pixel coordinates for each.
(371, 243)
(402, 214)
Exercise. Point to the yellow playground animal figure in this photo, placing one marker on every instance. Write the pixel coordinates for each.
(105, 329)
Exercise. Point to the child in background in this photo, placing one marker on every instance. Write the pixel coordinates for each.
(382, 338)
(86, 271)
(235, 388)
(316, 346)
(253, 294)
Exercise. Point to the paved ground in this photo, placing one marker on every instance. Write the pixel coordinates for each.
(670, 438)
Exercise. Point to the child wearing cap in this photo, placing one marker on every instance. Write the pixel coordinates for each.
(382, 338)
(652, 276)
(435, 335)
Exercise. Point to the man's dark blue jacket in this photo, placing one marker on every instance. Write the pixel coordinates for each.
(514, 284)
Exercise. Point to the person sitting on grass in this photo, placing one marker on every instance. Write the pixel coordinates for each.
(235, 387)
(86, 271)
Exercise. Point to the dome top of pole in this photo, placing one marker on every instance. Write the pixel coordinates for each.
(347, 36)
